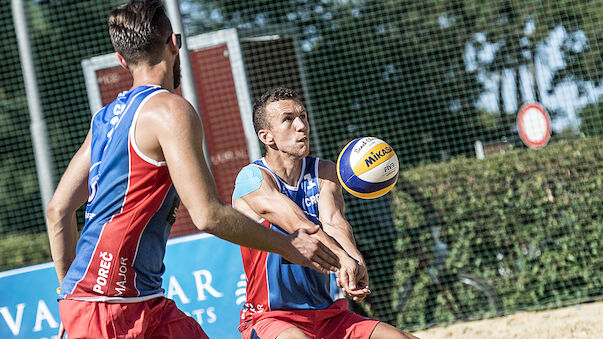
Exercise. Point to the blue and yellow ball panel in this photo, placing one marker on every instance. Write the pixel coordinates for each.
(368, 190)
(346, 171)
(367, 167)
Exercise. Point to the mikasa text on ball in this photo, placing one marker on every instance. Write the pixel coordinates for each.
(367, 167)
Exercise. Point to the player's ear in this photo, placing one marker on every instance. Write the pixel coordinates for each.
(173, 47)
(265, 137)
(122, 61)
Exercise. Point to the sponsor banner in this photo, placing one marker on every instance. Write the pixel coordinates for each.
(204, 276)
(28, 306)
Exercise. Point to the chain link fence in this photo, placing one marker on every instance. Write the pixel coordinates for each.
(440, 81)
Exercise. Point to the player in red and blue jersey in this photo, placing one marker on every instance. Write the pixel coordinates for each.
(286, 190)
(130, 194)
(140, 150)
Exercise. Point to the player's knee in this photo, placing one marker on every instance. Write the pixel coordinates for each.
(386, 331)
(292, 333)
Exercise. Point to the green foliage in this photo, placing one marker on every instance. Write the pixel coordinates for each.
(19, 195)
(62, 34)
(20, 250)
(591, 118)
(387, 68)
(579, 18)
(527, 222)
(518, 33)
(411, 77)
(404, 63)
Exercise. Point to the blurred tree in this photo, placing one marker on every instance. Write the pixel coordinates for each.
(393, 69)
(517, 32)
(19, 196)
(62, 33)
(581, 50)
(591, 118)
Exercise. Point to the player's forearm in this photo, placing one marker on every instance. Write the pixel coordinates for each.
(295, 220)
(334, 245)
(62, 234)
(345, 238)
(233, 226)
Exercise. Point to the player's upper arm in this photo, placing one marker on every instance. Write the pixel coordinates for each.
(257, 195)
(330, 202)
(179, 132)
(248, 180)
(256, 189)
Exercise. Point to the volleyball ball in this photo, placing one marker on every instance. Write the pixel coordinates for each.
(367, 167)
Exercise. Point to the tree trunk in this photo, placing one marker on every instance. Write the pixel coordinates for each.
(518, 87)
(501, 104)
(534, 78)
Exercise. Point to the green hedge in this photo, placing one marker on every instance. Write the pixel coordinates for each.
(527, 222)
(23, 250)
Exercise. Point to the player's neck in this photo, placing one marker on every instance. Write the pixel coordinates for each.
(153, 75)
(287, 168)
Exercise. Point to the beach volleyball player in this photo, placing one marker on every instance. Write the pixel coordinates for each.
(288, 190)
(140, 150)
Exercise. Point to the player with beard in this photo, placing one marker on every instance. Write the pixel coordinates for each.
(141, 149)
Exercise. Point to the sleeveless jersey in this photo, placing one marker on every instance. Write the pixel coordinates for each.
(130, 210)
(272, 282)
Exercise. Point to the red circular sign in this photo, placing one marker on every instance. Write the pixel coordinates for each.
(534, 125)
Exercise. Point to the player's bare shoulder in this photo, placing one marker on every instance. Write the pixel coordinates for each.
(167, 111)
(165, 116)
(169, 105)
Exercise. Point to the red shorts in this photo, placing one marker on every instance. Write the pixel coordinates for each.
(334, 322)
(154, 318)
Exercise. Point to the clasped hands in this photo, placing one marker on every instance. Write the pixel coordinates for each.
(353, 279)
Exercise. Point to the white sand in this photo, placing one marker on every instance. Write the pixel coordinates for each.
(581, 321)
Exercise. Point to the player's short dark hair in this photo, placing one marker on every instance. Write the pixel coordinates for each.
(259, 107)
(138, 30)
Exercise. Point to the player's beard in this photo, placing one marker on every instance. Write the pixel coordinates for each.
(177, 73)
(306, 151)
(297, 150)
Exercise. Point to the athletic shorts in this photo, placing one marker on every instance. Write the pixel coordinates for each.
(154, 318)
(333, 322)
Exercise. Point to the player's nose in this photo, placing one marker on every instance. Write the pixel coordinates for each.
(300, 125)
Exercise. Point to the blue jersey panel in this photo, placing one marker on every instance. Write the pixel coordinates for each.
(293, 286)
(109, 160)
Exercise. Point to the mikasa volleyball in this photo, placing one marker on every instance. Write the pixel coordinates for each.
(367, 167)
